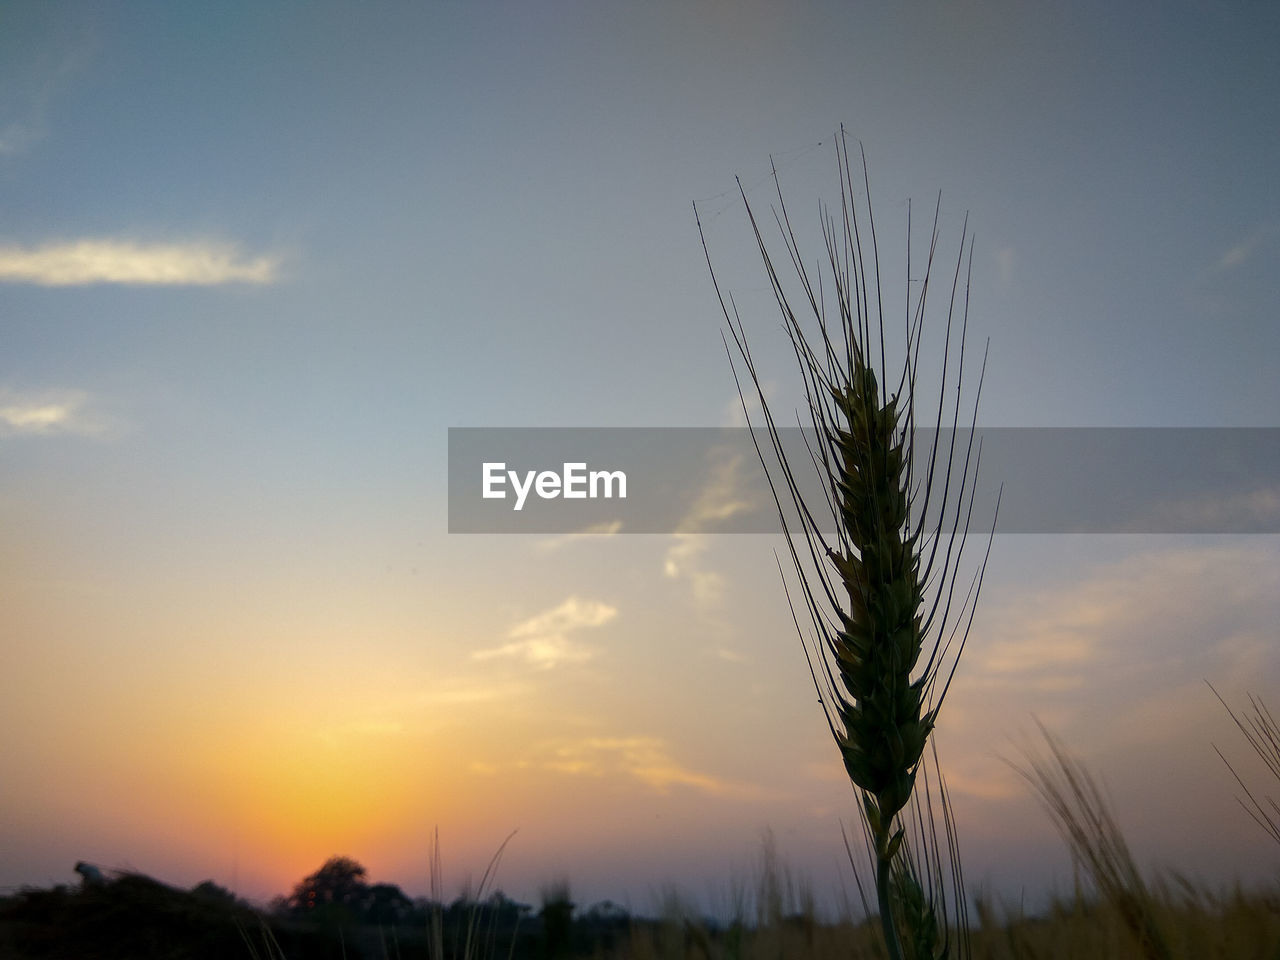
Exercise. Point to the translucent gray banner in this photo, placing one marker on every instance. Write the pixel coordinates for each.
(710, 480)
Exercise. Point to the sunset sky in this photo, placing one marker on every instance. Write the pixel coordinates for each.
(255, 260)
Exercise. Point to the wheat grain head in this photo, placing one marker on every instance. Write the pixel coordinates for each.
(880, 591)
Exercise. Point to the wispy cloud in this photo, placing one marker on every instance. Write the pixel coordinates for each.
(683, 561)
(1114, 657)
(460, 693)
(1242, 251)
(987, 779)
(646, 759)
(721, 498)
(543, 652)
(1256, 510)
(723, 495)
(92, 261)
(543, 640)
(734, 413)
(49, 413)
(594, 532)
(1189, 604)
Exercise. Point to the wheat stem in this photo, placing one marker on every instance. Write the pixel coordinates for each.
(865, 585)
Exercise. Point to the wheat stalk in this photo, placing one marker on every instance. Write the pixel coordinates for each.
(1263, 735)
(881, 590)
(1081, 814)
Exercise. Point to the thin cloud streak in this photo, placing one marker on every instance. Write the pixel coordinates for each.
(542, 640)
(1240, 253)
(48, 414)
(1243, 251)
(683, 561)
(1257, 509)
(646, 759)
(84, 262)
(1190, 603)
(542, 652)
(462, 693)
(593, 533)
(720, 499)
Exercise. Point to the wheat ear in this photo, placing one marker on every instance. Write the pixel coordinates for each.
(1083, 818)
(882, 589)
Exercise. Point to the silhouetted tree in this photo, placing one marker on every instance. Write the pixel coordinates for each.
(606, 912)
(505, 911)
(386, 903)
(208, 890)
(557, 918)
(601, 926)
(339, 883)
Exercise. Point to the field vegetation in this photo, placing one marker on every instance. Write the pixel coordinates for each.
(132, 917)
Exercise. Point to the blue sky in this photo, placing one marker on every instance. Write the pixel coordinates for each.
(254, 262)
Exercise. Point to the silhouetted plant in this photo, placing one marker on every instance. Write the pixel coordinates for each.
(340, 882)
(474, 927)
(876, 563)
(1080, 812)
(208, 890)
(385, 903)
(1263, 735)
(557, 918)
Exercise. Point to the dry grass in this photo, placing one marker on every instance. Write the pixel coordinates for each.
(478, 941)
(1081, 814)
(1263, 736)
(1248, 927)
(1194, 923)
